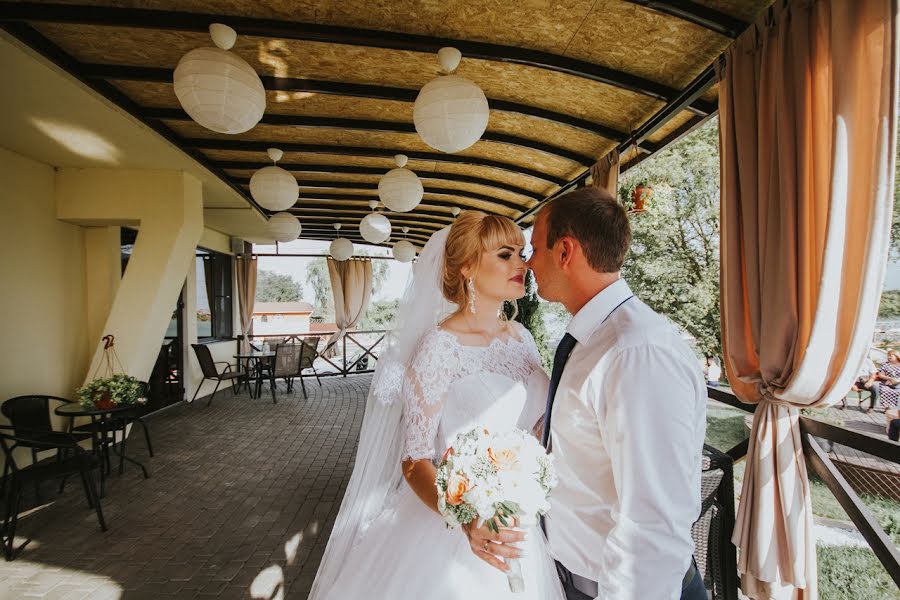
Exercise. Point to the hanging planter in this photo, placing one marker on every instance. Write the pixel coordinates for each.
(114, 387)
(640, 197)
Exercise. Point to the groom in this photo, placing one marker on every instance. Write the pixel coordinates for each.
(625, 419)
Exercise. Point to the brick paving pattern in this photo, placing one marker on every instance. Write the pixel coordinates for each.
(240, 502)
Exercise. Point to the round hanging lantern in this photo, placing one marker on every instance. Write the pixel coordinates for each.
(400, 189)
(273, 188)
(340, 249)
(217, 88)
(403, 250)
(451, 112)
(284, 227)
(375, 228)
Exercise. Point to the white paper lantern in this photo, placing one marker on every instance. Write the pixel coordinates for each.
(375, 228)
(341, 249)
(217, 88)
(404, 251)
(273, 188)
(284, 227)
(400, 189)
(451, 113)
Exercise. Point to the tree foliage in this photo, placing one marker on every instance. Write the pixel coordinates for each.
(318, 280)
(531, 315)
(890, 305)
(380, 314)
(895, 224)
(673, 264)
(275, 287)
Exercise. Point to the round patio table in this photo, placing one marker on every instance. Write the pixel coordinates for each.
(256, 357)
(102, 424)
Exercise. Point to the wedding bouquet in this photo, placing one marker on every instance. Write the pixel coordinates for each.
(495, 478)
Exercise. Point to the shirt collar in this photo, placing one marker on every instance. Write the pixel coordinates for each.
(592, 314)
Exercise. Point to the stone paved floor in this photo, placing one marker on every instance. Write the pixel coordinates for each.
(241, 499)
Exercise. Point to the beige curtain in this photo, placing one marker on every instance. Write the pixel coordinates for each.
(807, 131)
(605, 173)
(351, 283)
(246, 285)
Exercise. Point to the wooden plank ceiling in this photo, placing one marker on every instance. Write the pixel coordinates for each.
(567, 81)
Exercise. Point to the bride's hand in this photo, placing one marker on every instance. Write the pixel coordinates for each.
(493, 547)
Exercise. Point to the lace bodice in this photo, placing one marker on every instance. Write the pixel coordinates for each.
(450, 387)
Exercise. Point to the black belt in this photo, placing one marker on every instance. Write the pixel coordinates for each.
(590, 588)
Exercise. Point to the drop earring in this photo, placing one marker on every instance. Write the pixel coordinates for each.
(471, 286)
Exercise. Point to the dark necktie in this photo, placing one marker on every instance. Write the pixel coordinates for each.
(559, 363)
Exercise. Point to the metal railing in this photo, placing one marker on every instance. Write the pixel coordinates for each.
(812, 429)
(336, 356)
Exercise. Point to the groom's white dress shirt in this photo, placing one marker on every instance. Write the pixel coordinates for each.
(627, 431)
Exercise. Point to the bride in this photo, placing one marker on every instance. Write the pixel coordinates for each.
(453, 363)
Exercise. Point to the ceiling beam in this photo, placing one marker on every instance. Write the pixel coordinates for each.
(697, 14)
(359, 90)
(315, 236)
(28, 35)
(696, 89)
(352, 226)
(415, 216)
(378, 171)
(367, 197)
(254, 146)
(355, 185)
(270, 28)
(177, 114)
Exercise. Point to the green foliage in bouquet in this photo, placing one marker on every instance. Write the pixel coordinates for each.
(108, 392)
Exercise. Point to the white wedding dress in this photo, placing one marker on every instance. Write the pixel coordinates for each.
(406, 551)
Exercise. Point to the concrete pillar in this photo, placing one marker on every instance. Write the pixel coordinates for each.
(166, 208)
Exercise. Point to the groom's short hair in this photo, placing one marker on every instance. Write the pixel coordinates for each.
(599, 223)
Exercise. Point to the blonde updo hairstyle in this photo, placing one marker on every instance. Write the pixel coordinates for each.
(473, 233)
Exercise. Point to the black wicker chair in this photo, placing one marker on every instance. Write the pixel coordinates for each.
(715, 554)
(71, 459)
(32, 412)
(210, 371)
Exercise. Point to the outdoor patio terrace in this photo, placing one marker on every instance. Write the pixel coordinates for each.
(240, 502)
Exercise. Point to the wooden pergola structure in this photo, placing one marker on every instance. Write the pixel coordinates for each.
(565, 86)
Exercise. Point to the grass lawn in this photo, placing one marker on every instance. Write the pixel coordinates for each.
(844, 572)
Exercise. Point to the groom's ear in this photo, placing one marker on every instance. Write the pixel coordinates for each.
(566, 250)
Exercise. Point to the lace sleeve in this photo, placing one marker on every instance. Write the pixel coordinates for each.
(424, 392)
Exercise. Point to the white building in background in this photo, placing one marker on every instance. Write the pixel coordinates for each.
(281, 317)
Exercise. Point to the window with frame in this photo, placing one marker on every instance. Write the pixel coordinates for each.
(214, 295)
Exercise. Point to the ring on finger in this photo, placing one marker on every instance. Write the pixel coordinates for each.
(485, 545)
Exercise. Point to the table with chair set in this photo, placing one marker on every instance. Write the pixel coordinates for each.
(287, 358)
(30, 427)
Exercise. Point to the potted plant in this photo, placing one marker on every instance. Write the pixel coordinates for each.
(112, 391)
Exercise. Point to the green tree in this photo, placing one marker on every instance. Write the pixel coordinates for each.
(890, 305)
(380, 270)
(275, 287)
(380, 314)
(531, 315)
(317, 277)
(673, 264)
(895, 224)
